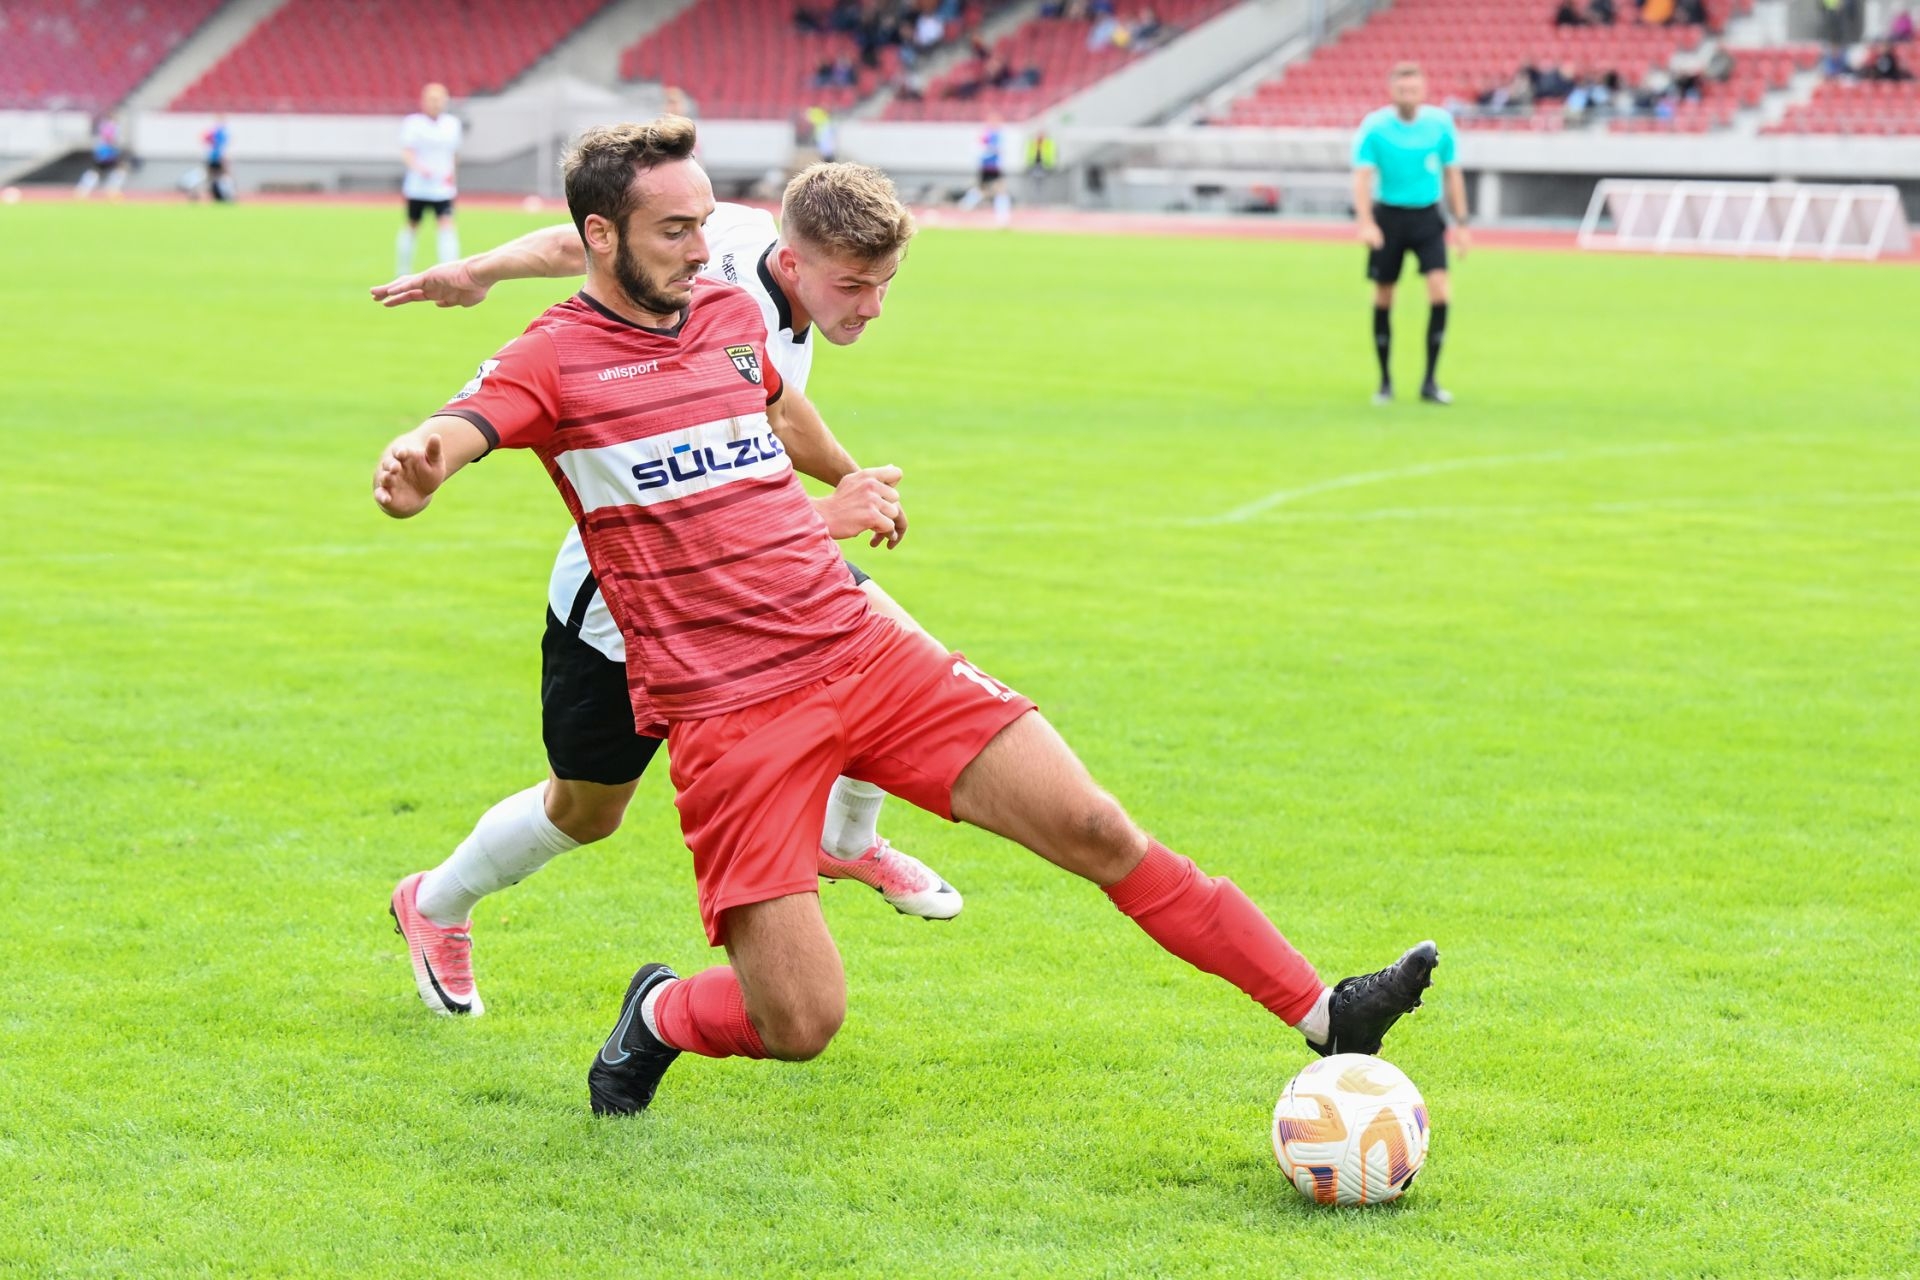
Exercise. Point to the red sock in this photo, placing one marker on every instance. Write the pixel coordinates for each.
(707, 1014)
(1216, 928)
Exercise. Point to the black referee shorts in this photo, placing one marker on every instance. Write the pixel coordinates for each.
(586, 715)
(1419, 231)
(417, 209)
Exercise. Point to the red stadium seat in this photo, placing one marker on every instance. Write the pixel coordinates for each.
(372, 56)
(87, 55)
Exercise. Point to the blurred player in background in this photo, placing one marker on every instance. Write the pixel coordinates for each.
(770, 669)
(109, 165)
(214, 179)
(993, 182)
(429, 142)
(1400, 156)
(807, 276)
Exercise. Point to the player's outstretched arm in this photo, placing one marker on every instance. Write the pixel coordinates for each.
(816, 452)
(416, 464)
(864, 502)
(549, 253)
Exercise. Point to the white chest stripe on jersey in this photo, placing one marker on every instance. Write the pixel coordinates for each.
(675, 464)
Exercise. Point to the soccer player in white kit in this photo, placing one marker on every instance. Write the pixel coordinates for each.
(429, 142)
(803, 284)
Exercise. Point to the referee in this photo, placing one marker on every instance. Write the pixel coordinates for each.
(1399, 156)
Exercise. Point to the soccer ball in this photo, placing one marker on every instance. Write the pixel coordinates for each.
(1350, 1129)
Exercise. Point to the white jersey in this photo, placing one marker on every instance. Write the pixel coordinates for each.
(434, 141)
(741, 240)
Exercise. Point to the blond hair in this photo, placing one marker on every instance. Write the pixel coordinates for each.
(849, 210)
(600, 165)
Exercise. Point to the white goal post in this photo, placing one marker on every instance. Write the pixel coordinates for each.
(1778, 219)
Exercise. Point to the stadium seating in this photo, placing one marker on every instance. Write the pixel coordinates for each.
(87, 55)
(743, 59)
(1057, 49)
(1467, 47)
(373, 55)
(1867, 108)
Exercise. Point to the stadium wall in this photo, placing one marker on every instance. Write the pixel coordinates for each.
(514, 147)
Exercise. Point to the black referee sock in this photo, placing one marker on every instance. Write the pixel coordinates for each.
(1383, 342)
(1436, 334)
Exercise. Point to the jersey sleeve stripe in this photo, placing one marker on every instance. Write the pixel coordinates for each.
(479, 420)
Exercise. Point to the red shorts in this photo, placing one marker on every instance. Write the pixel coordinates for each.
(751, 785)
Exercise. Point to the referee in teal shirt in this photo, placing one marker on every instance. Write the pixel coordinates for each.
(1400, 156)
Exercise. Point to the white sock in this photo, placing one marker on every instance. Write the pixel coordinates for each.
(853, 818)
(88, 181)
(1314, 1026)
(511, 841)
(403, 251)
(971, 200)
(646, 1007)
(1003, 208)
(448, 244)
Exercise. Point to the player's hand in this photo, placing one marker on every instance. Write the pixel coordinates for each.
(865, 502)
(1372, 236)
(450, 284)
(407, 476)
(1462, 241)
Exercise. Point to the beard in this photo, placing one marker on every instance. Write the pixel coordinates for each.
(641, 289)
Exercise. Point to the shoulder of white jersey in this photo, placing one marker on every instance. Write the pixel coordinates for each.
(740, 229)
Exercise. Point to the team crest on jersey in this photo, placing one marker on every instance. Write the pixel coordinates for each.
(473, 387)
(747, 361)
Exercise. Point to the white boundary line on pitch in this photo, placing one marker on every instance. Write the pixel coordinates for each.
(1282, 497)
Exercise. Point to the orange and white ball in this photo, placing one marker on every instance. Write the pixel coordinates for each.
(1350, 1129)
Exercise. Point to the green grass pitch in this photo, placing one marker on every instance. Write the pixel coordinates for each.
(1604, 678)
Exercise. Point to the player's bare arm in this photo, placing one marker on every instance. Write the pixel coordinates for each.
(1457, 203)
(863, 502)
(416, 464)
(1369, 230)
(817, 453)
(551, 253)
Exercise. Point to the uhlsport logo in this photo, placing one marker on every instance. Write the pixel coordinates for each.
(473, 387)
(620, 371)
(747, 361)
(690, 462)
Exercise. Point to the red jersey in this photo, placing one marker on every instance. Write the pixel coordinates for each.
(718, 570)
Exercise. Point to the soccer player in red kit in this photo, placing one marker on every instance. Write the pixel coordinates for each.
(771, 673)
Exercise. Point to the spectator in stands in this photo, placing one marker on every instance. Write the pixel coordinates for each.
(1900, 30)
(838, 74)
(929, 29)
(1146, 25)
(1689, 68)
(1556, 83)
(677, 103)
(1569, 15)
(1600, 13)
(1656, 13)
(1690, 13)
(1885, 66)
(807, 22)
(1105, 33)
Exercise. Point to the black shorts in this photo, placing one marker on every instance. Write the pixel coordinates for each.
(989, 174)
(586, 714)
(1422, 232)
(415, 208)
(216, 168)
